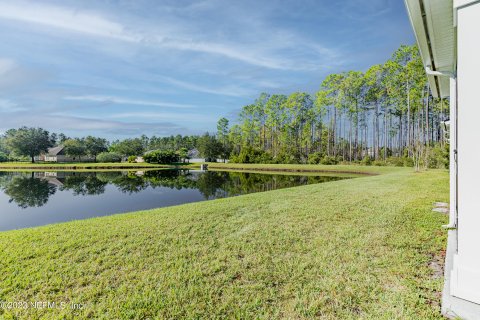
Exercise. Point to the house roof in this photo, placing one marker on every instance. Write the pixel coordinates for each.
(433, 24)
(55, 150)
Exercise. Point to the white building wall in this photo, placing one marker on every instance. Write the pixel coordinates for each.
(466, 270)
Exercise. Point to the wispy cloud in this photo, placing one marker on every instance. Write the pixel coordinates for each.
(94, 24)
(7, 106)
(119, 100)
(97, 67)
(87, 124)
(66, 19)
(231, 90)
(230, 51)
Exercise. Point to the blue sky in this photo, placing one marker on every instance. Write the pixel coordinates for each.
(124, 68)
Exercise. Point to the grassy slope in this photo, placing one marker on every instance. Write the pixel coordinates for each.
(339, 250)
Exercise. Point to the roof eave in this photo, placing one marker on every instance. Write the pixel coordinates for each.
(430, 19)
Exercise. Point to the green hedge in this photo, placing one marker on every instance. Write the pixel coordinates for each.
(163, 157)
(109, 157)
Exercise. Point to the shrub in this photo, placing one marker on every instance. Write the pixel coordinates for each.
(288, 157)
(132, 159)
(315, 158)
(408, 162)
(394, 161)
(379, 163)
(109, 157)
(438, 157)
(3, 157)
(163, 157)
(251, 155)
(366, 161)
(329, 160)
(234, 159)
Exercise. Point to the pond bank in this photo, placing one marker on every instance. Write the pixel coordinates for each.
(29, 199)
(345, 249)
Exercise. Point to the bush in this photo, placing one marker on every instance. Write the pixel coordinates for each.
(395, 161)
(3, 157)
(379, 163)
(234, 159)
(366, 161)
(408, 162)
(163, 157)
(251, 155)
(109, 157)
(315, 158)
(132, 159)
(329, 160)
(438, 157)
(288, 157)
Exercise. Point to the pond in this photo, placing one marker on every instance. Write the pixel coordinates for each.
(29, 199)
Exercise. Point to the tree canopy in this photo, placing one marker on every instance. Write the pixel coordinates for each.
(29, 142)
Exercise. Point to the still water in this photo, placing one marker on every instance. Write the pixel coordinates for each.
(30, 199)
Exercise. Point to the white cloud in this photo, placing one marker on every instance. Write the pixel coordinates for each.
(118, 100)
(229, 51)
(61, 18)
(234, 91)
(169, 36)
(84, 125)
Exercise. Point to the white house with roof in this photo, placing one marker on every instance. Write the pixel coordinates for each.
(448, 36)
(57, 154)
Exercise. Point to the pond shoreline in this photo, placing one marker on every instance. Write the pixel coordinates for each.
(343, 169)
(291, 170)
(30, 199)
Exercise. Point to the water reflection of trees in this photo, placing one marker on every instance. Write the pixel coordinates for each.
(34, 189)
(28, 191)
(84, 185)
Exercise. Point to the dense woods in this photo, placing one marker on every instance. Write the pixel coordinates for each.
(385, 115)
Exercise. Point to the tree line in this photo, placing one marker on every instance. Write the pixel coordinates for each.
(28, 143)
(386, 113)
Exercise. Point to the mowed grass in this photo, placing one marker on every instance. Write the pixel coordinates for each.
(358, 248)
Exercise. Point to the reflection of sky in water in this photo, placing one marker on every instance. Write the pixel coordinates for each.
(48, 198)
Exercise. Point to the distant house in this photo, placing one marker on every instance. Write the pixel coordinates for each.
(57, 154)
(55, 178)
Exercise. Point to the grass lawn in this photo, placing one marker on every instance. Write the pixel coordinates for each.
(363, 248)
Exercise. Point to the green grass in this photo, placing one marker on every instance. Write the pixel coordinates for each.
(349, 249)
(303, 168)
